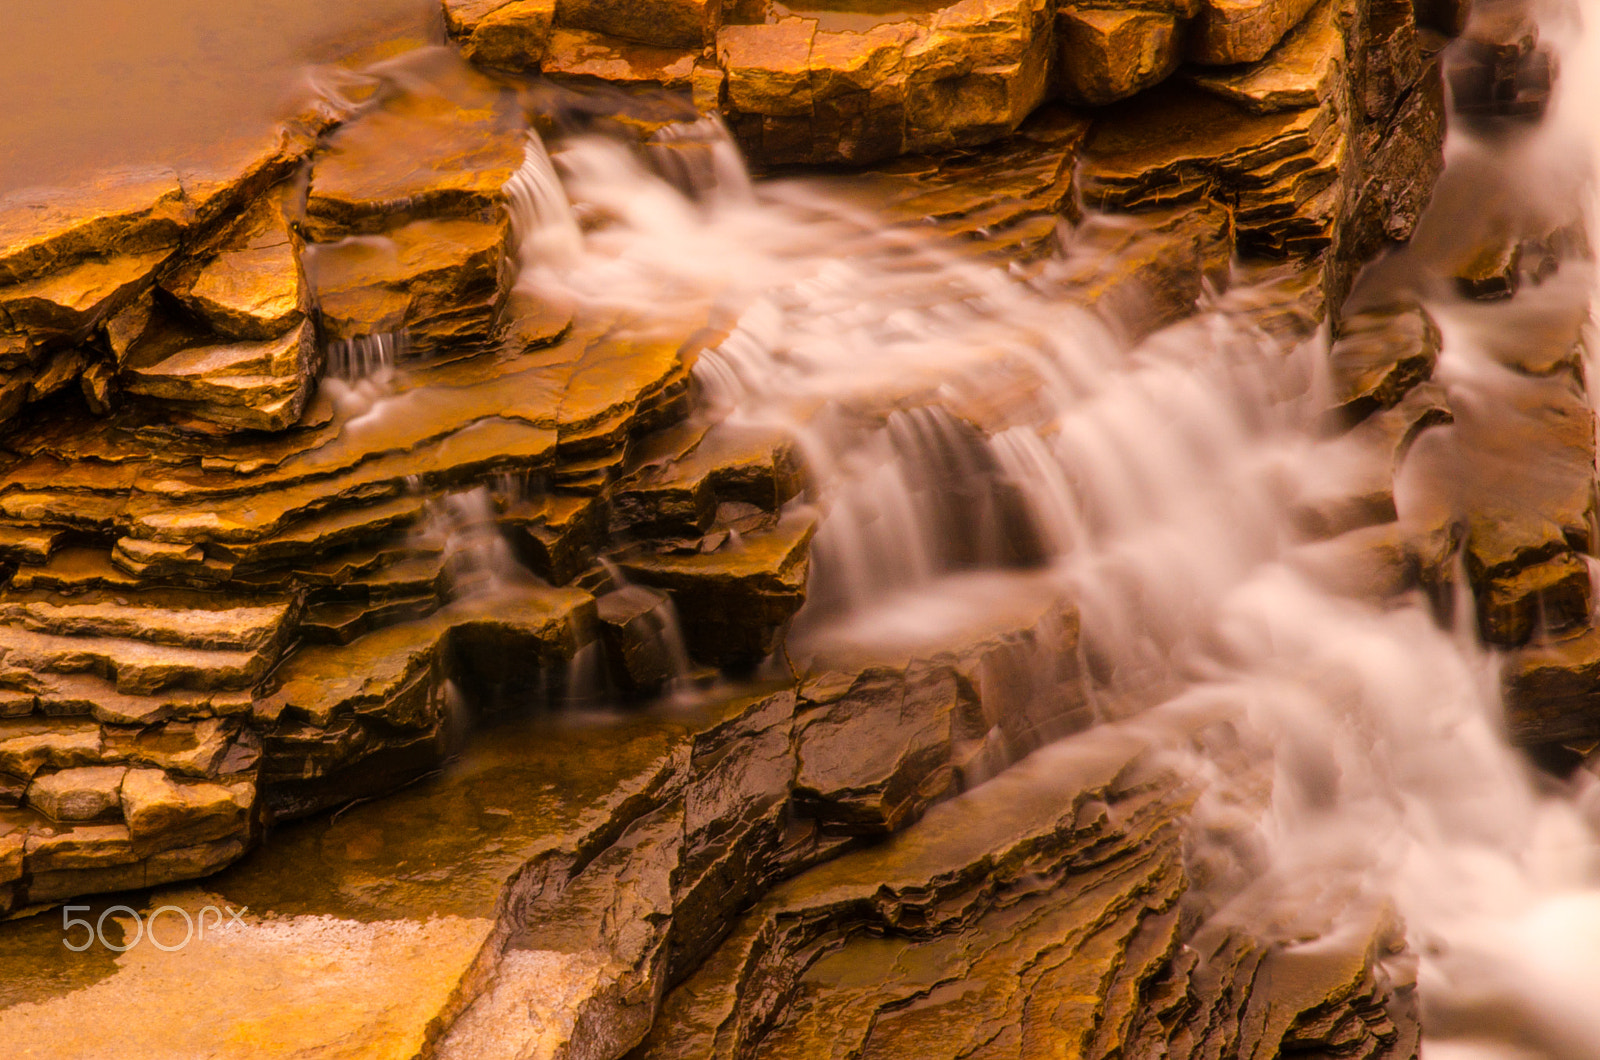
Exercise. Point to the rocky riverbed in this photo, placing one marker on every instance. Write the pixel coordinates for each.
(574, 598)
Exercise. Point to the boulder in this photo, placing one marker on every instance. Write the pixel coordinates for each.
(1228, 32)
(82, 794)
(1105, 55)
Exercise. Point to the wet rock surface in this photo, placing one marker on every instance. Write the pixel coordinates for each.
(261, 569)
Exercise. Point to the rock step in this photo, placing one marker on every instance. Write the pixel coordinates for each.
(1353, 483)
(678, 495)
(434, 281)
(356, 715)
(190, 620)
(135, 666)
(993, 915)
(260, 385)
(736, 598)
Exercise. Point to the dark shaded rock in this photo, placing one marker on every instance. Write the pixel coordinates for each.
(735, 601)
(1552, 596)
(1499, 70)
(637, 625)
(1553, 690)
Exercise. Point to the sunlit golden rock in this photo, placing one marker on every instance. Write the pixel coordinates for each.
(1304, 70)
(1107, 55)
(514, 35)
(131, 212)
(578, 53)
(768, 66)
(256, 385)
(250, 285)
(433, 280)
(1241, 31)
(163, 814)
(798, 90)
(81, 794)
(418, 156)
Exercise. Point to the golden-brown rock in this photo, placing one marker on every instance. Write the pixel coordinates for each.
(768, 67)
(432, 280)
(1241, 31)
(81, 794)
(1304, 70)
(164, 814)
(418, 156)
(579, 53)
(658, 23)
(1107, 55)
(247, 385)
(514, 35)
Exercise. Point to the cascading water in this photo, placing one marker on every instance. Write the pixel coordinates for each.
(960, 418)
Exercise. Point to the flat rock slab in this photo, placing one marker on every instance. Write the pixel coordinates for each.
(439, 152)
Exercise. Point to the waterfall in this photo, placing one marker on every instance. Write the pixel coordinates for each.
(700, 159)
(542, 221)
(966, 424)
(365, 357)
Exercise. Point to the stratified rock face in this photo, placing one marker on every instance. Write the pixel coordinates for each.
(797, 91)
(78, 267)
(1311, 153)
(435, 281)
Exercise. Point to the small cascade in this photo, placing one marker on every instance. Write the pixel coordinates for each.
(365, 357)
(700, 159)
(542, 221)
(478, 560)
(360, 373)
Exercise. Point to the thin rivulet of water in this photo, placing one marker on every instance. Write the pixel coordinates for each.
(959, 419)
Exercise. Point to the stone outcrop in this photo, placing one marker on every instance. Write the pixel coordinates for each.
(1326, 146)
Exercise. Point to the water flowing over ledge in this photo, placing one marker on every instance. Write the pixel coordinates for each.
(885, 613)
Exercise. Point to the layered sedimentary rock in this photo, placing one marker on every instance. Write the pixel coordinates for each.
(828, 83)
(283, 548)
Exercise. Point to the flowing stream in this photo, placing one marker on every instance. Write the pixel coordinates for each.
(1151, 483)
